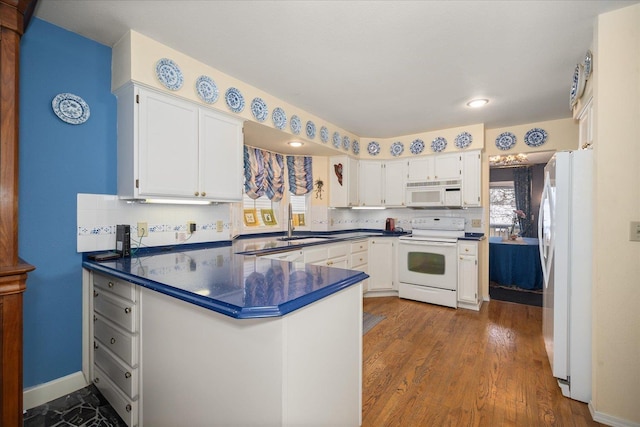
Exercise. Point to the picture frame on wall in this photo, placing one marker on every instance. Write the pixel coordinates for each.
(268, 218)
(250, 217)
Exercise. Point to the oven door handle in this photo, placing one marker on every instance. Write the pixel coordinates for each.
(429, 243)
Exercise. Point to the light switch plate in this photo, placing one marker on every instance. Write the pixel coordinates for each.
(219, 225)
(634, 231)
(476, 223)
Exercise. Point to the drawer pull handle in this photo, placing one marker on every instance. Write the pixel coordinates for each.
(128, 408)
(196, 194)
(127, 374)
(113, 340)
(127, 310)
(204, 193)
(111, 284)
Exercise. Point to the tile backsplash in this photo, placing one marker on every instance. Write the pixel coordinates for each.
(98, 215)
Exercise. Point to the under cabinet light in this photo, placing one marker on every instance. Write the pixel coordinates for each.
(368, 207)
(177, 202)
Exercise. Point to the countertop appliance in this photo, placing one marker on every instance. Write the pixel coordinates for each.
(428, 266)
(565, 237)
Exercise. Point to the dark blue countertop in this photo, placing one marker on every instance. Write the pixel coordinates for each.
(215, 277)
(472, 236)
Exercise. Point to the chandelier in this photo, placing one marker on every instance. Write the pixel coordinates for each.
(508, 160)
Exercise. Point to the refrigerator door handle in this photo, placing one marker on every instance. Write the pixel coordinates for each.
(546, 250)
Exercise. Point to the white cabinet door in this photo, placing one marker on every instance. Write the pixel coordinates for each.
(395, 175)
(471, 179)
(343, 182)
(468, 279)
(381, 264)
(585, 126)
(168, 145)
(221, 164)
(371, 190)
(421, 169)
(448, 166)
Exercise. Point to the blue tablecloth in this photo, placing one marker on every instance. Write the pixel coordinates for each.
(515, 263)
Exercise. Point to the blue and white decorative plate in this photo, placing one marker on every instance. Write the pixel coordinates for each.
(464, 140)
(311, 130)
(416, 147)
(259, 109)
(235, 100)
(336, 139)
(169, 74)
(206, 89)
(397, 148)
(577, 85)
(279, 118)
(355, 147)
(324, 134)
(296, 125)
(373, 148)
(346, 142)
(438, 144)
(588, 64)
(535, 137)
(70, 108)
(505, 140)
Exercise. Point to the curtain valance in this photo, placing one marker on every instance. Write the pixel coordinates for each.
(300, 174)
(263, 173)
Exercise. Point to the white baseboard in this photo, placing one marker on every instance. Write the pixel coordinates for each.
(610, 420)
(43, 393)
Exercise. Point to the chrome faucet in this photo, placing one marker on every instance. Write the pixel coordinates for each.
(290, 226)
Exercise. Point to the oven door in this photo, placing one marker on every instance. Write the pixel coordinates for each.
(428, 263)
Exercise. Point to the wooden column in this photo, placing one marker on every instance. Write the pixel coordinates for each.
(13, 272)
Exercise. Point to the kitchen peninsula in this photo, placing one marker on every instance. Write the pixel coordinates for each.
(200, 335)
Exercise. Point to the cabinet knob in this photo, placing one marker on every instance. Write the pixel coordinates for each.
(111, 284)
(95, 345)
(127, 374)
(466, 250)
(196, 194)
(128, 408)
(95, 294)
(127, 310)
(113, 340)
(95, 318)
(204, 194)
(96, 380)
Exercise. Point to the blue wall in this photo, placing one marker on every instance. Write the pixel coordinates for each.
(57, 161)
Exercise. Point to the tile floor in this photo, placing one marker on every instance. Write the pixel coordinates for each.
(82, 408)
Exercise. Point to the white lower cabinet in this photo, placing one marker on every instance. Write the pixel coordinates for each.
(468, 296)
(115, 333)
(382, 264)
(331, 255)
(359, 259)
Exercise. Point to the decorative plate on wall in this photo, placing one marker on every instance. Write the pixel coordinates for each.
(279, 118)
(324, 134)
(206, 89)
(416, 147)
(336, 139)
(355, 147)
(588, 65)
(259, 109)
(397, 148)
(311, 130)
(346, 142)
(70, 108)
(169, 74)
(296, 125)
(438, 144)
(505, 140)
(234, 99)
(464, 140)
(577, 85)
(535, 137)
(373, 148)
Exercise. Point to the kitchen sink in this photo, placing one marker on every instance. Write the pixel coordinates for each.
(305, 239)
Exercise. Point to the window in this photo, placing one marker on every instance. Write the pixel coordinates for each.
(502, 203)
(260, 205)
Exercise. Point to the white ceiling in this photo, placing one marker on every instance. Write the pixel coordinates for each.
(375, 68)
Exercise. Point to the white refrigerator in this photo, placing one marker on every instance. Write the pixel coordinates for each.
(565, 236)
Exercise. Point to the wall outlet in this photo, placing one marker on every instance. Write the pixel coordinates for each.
(219, 226)
(143, 230)
(476, 223)
(191, 227)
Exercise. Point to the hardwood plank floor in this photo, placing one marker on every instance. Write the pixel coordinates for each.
(426, 365)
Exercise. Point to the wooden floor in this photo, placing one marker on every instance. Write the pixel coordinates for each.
(426, 365)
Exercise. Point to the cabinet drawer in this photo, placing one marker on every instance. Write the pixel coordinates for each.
(122, 344)
(467, 248)
(359, 259)
(126, 408)
(115, 309)
(119, 287)
(314, 255)
(358, 246)
(125, 377)
(335, 251)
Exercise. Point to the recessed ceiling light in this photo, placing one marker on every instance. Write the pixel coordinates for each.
(296, 144)
(475, 103)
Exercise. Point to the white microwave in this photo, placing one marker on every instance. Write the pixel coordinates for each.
(434, 194)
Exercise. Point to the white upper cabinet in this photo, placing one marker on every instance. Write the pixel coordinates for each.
(471, 178)
(448, 166)
(371, 182)
(382, 183)
(421, 168)
(395, 180)
(343, 182)
(172, 148)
